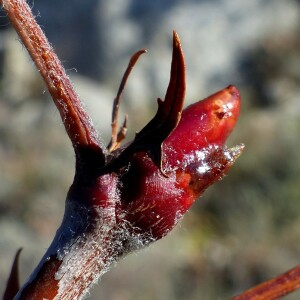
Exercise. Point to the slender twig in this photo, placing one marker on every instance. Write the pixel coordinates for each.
(77, 123)
(275, 288)
(117, 138)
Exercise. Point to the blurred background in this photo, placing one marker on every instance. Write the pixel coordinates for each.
(244, 229)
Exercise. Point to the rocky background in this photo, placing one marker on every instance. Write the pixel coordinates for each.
(243, 230)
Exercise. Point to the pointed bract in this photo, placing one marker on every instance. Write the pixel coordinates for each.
(13, 285)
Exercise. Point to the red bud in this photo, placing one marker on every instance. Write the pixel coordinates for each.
(194, 157)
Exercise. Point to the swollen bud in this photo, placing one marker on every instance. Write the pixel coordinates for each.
(193, 157)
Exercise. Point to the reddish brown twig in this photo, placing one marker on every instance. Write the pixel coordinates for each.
(275, 288)
(77, 123)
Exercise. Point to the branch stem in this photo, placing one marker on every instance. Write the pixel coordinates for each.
(274, 288)
(77, 123)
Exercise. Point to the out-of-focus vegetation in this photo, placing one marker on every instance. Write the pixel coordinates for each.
(245, 229)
